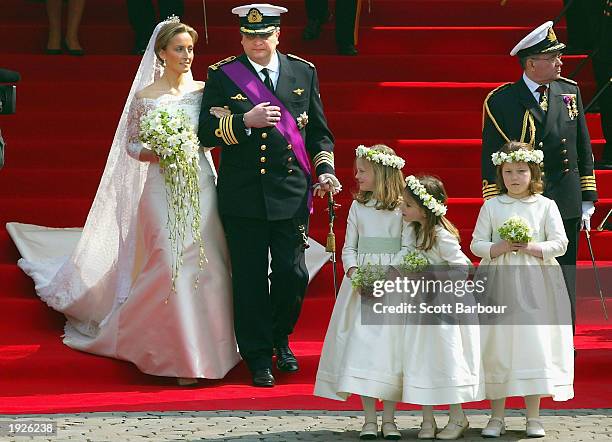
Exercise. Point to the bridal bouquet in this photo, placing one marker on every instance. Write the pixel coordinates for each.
(414, 262)
(168, 132)
(515, 229)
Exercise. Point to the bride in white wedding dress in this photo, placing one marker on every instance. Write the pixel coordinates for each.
(115, 288)
(113, 278)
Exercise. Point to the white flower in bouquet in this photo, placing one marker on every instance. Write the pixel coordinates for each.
(168, 132)
(515, 229)
(414, 262)
(365, 276)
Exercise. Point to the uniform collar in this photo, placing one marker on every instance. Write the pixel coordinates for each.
(532, 85)
(272, 66)
(504, 198)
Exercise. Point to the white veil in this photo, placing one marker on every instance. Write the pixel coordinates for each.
(96, 277)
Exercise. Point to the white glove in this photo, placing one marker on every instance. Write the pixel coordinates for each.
(588, 208)
(327, 179)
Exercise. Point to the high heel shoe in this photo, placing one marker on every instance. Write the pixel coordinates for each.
(73, 52)
(49, 51)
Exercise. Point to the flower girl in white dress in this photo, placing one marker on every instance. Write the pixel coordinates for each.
(441, 359)
(533, 355)
(358, 358)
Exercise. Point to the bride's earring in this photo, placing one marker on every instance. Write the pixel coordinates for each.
(163, 62)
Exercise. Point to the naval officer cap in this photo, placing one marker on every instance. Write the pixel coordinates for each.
(259, 18)
(542, 40)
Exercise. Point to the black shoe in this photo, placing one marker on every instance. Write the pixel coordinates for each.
(263, 378)
(312, 30)
(73, 52)
(285, 359)
(347, 50)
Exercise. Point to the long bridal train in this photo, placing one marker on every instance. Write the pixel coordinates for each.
(126, 330)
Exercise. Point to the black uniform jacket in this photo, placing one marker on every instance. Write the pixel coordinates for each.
(259, 176)
(511, 112)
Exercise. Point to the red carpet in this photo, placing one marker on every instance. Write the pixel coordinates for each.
(418, 84)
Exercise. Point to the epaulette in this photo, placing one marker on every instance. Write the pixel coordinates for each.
(499, 88)
(485, 107)
(301, 59)
(215, 66)
(568, 80)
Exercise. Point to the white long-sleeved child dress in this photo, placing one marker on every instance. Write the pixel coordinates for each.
(442, 363)
(356, 358)
(533, 354)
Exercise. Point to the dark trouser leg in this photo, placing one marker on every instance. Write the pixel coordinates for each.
(171, 7)
(288, 279)
(346, 17)
(317, 10)
(248, 241)
(142, 20)
(583, 22)
(568, 262)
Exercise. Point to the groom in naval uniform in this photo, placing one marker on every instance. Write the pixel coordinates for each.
(275, 130)
(545, 110)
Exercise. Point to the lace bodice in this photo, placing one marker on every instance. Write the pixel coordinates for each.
(189, 102)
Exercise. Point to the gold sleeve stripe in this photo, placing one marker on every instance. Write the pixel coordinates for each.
(324, 157)
(221, 132)
(488, 197)
(324, 161)
(226, 132)
(490, 187)
(230, 130)
(490, 192)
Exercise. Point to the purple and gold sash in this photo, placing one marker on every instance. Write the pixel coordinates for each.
(257, 92)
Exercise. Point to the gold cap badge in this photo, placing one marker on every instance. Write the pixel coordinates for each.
(254, 16)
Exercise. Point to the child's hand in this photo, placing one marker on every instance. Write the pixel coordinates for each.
(501, 247)
(350, 272)
(531, 248)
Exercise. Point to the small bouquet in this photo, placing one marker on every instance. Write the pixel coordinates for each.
(413, 262)
(168, 132)
(365, 277)
(515, 229)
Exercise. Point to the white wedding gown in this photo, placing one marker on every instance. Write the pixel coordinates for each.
(184, 334)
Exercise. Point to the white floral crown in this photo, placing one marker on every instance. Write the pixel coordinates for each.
(518, 156)
(385, 159)
(429, 201)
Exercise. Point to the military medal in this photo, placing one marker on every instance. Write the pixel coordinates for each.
(570, 103)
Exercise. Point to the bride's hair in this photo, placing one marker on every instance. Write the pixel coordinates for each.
(168, 31)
